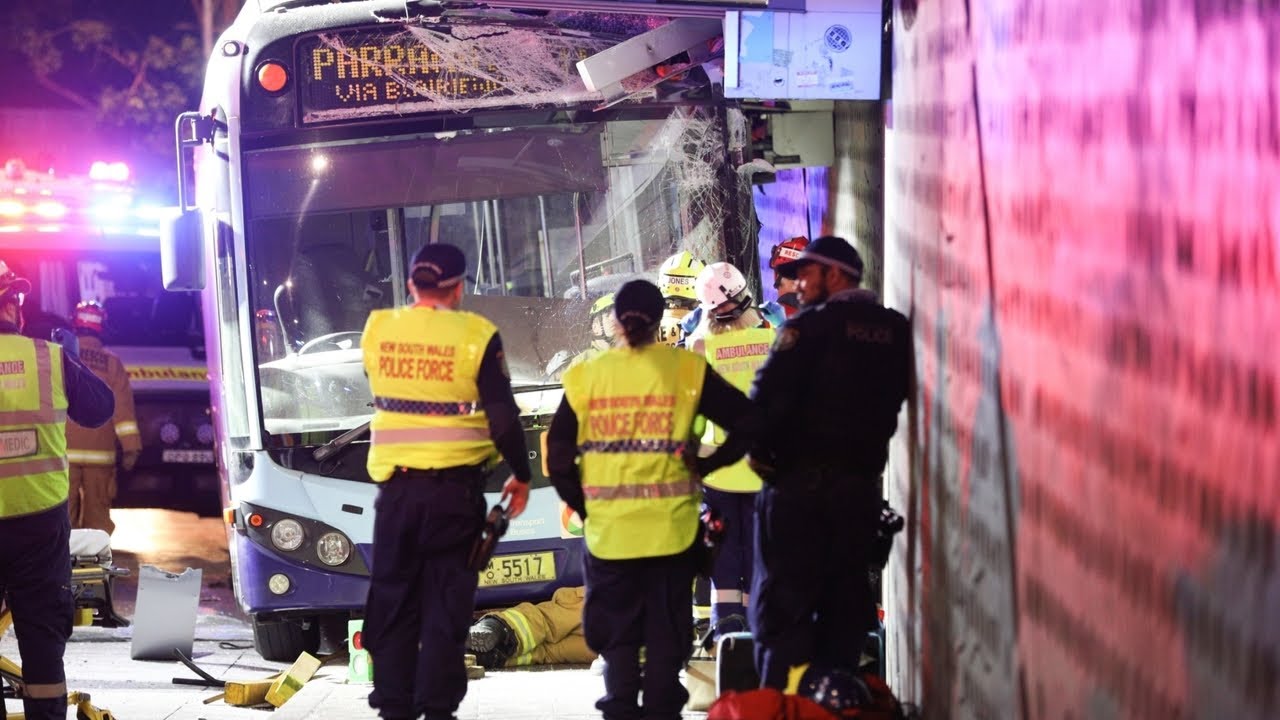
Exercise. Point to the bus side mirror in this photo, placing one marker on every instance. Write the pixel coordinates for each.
(182, 251)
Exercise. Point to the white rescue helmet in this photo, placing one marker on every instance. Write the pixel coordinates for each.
(721, 283)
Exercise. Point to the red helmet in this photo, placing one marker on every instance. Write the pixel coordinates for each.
(89, 316)
(787, 250)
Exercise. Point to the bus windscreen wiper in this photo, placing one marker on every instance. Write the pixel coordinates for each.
(331, 448)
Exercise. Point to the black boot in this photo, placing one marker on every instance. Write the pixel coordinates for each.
(492, 641)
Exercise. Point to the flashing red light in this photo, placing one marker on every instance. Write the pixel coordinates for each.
(109, 171)
(255, 520)
(880, 613)
(357, 640)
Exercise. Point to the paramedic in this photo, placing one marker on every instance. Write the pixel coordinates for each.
(735, 339)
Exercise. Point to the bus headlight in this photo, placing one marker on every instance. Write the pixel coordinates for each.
(287, 534)
(169, 433)
(278, 584)
(333, 548)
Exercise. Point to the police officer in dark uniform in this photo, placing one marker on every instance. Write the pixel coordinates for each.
(40, 386)
(443, 409)
(830, 391)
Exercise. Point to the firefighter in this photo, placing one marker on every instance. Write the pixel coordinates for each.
(676, 278)
(601, 339)
(830, 391)
(777, 311)
(735, 339)
(443, 408)
(546, 633)
(40, 386)
(92, 452)
(602, 330)
(619, 454)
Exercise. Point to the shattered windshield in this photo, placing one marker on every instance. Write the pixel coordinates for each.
(550, 217)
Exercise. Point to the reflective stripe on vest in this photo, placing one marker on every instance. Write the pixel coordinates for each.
(33, 441)
(427, 414)
(127, 427)
(676, 488)
(91, 457)
(736, 355)
(635, 411)
(435, 434)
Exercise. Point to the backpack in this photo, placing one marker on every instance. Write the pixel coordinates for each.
(771, 704)
(766, 704)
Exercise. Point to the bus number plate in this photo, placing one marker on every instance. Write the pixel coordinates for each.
(187, 456)
(515, 569)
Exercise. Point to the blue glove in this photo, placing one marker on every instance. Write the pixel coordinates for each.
(69, 341)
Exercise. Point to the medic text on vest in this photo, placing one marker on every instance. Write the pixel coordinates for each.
(416, 361)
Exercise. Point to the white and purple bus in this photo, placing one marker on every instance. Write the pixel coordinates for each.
(565, 150)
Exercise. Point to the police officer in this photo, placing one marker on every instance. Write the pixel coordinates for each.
(40, 386)
(443, 404)
(735, 339)
(92, 451)
(830, 391)
(618, 454)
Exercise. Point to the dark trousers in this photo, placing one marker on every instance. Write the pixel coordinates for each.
(35, 583)
(732, 567)
(634, 604)
(422, 593)
(811, 597)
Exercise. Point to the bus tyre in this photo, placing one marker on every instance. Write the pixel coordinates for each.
(285, 640)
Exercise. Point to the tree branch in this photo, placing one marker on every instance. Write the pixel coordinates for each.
(66, 93)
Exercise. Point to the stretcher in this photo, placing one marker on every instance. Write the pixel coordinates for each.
(92, 578)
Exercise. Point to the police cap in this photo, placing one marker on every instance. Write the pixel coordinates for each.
(639, 299)
(828, 250)
(10, 283)
(437, 266)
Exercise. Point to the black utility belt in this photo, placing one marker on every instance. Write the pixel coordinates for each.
(458, 472)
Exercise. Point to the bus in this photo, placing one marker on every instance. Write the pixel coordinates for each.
(565, 151)
(82, 237)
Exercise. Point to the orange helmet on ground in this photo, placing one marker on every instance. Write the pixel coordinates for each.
(89, 317)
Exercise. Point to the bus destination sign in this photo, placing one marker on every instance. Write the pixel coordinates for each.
(370, 73)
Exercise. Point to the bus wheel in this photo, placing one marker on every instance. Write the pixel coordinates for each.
(285, 640)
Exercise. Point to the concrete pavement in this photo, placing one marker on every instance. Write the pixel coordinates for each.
(98, 662)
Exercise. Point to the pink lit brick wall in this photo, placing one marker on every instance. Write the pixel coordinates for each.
(1082, 217)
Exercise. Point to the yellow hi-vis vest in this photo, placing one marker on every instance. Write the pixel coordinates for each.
(33, 418)
(422, 364)
(736, 355)
(635, 410)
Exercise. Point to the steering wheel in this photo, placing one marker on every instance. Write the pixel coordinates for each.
(331, 339)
